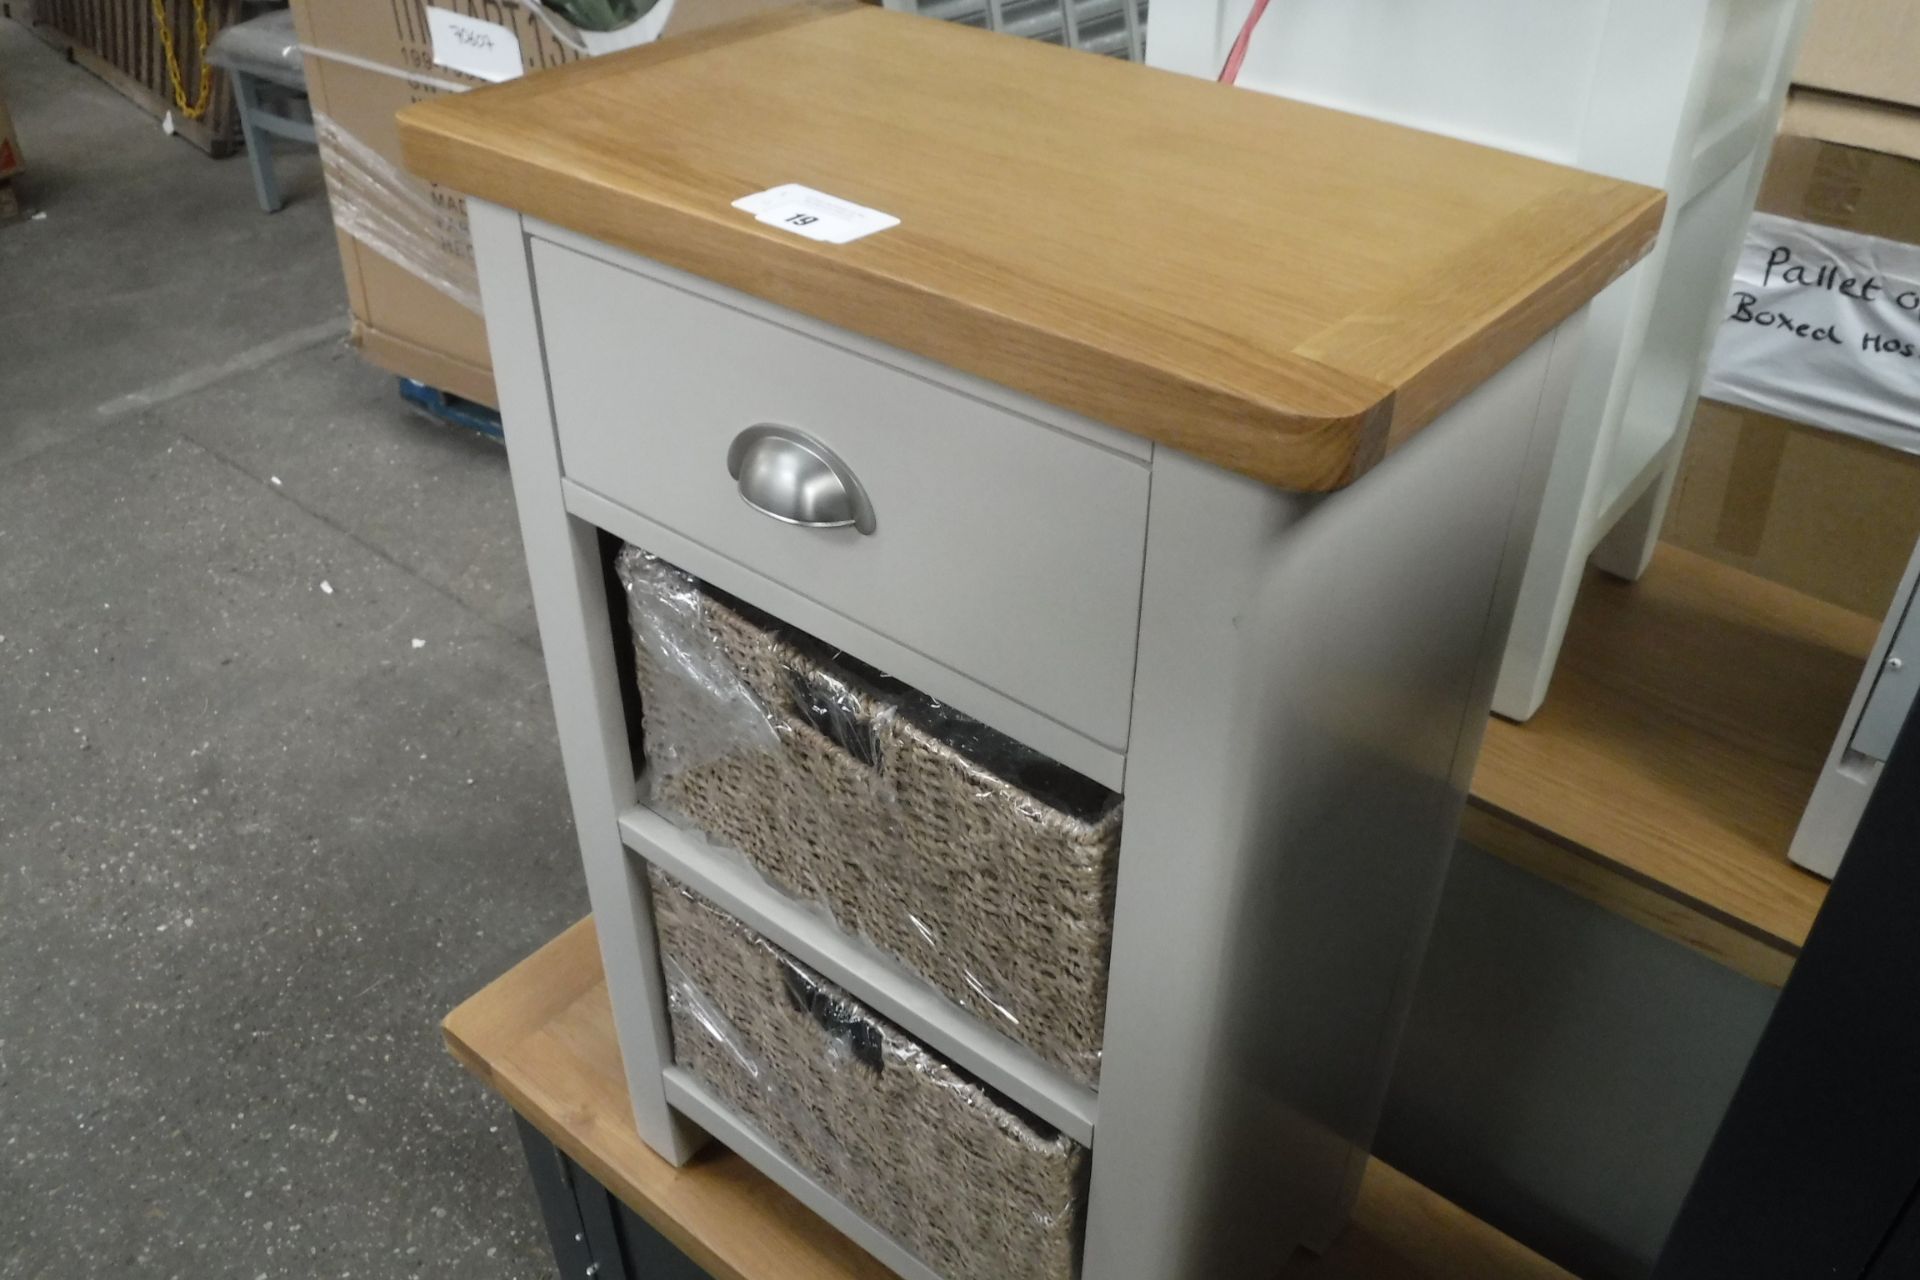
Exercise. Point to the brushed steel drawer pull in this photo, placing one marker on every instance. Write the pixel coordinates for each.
(789, 475)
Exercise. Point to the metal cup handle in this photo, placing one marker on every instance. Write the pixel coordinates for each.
(791, 476)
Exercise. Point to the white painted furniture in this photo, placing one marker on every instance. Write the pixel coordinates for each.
(1288, 688)
(1879, 708)
(1683, 95)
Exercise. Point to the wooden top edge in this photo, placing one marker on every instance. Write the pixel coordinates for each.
(1312, 418)
(550, 976)
(1508, 325)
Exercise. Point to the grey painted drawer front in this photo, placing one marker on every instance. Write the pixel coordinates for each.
(1004, 547)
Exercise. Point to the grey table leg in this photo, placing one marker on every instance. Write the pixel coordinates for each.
(553, 1183)
(246, 96)
(593, 1234)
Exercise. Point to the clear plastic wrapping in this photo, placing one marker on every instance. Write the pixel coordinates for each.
(397, 215)
(957, 1175)
(975, 862)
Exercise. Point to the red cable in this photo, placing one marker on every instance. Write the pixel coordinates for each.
(1238, 54)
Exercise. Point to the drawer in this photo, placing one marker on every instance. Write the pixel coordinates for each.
(950, 1171)
(1003, 546)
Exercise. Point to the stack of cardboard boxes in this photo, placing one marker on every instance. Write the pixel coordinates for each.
(1829, 514)
(410, 290)
(404, 243)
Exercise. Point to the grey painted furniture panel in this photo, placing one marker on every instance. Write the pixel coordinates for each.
(1103, 764)
(1311, 694)
(576, 636)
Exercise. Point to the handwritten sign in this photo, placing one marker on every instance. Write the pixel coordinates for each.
(475, 46)
(1823, 326)
(814, 214)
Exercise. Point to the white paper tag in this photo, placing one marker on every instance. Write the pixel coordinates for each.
(480, 48)
(814, 214)
(1823, 327)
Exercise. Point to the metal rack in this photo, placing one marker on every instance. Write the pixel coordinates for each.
(1112, 28)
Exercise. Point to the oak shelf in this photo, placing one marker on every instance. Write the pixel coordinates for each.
(1690, 716)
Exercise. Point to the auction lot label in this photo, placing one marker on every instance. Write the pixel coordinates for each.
(1823, 326)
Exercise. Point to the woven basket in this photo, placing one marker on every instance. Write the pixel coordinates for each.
(895, 813)
(951, 1172)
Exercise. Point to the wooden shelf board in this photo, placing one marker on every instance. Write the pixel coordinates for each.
(1690, 716)
(542, 1037)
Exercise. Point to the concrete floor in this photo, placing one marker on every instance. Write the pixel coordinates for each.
(278, 780)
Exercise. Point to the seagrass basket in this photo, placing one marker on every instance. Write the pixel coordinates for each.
(979, 864)
(953, 1173)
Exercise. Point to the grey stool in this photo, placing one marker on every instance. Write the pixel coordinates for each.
(262, 55)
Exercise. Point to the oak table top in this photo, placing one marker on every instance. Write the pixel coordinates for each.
(542, 1036)
(1281, 289)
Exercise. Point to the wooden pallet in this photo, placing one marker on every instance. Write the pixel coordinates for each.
(451, 409)
(117, 41)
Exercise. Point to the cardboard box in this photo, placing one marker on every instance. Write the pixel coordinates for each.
(365, 60)
(1828, 515)
(10, 159)
(1863, 48)
(1826, 180)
